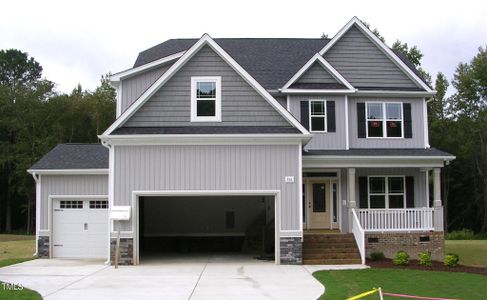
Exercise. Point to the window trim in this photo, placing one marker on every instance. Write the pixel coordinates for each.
(194, 99)
(325, 116)
(386, 193)
(384, 119)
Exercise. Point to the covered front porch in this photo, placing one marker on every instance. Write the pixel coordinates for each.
(378, 194)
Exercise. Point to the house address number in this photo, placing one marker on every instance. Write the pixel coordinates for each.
(289, 179)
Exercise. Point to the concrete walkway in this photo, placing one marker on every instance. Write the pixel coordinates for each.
(171, 278)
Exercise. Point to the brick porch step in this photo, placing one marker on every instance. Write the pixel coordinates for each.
(330, 249)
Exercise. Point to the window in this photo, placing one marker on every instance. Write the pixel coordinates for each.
(317, 115)
(386, 192)
(66, 204)
(384, 120)
(103, 204)
(319, 192)
(206, 99)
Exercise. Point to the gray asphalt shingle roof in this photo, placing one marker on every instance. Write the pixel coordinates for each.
(430, 152)
(271, 61)
(74, 156)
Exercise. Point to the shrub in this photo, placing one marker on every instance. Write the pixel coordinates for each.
(425, 259)
(464, 234)
(451, 259)
(401, 258)
(376, 256)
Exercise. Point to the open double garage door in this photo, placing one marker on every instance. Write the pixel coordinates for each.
(197, 226)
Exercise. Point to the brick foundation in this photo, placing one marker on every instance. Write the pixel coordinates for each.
(43, 247)
(126, 251)
(291, 251)
(413, 243)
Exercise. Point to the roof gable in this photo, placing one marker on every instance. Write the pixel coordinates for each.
(357, 52)
(205, 40)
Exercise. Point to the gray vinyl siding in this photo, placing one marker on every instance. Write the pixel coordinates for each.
(241, 104)
(329, 140)
(316, 74)
(135, 86)
(420, 189)
(417, 141)
(69, 185)
(363, 64)
(210, 167)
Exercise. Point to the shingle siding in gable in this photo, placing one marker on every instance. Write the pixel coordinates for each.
(241, 104)
(363, 64)
(316, 74)
(135, 86)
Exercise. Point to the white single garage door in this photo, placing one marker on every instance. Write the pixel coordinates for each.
(80, 228)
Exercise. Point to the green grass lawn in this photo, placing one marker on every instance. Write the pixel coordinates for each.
(471, 252)
(15, 249)
(342, 284)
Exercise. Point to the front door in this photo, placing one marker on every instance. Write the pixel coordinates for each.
(319, 204)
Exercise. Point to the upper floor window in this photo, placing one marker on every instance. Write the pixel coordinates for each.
(206, 99)
(317, 115)
(384, 120)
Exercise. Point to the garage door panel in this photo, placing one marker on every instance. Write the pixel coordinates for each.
(80, 229)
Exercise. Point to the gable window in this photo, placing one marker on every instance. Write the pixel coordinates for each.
(206, 99)
(317, 115)
(386, 192)
(384, 120)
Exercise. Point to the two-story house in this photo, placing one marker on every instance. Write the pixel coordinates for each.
(302, 150)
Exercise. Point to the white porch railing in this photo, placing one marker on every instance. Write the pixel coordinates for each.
(409, 219)
(359, 234)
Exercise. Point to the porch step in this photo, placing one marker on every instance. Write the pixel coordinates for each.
(330, 249)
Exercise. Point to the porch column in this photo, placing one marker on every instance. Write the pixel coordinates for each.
(351, 196)
(438, 208)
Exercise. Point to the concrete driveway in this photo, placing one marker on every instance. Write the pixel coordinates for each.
(170, 278)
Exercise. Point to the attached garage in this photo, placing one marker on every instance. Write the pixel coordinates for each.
(186, 225)
(80, 228)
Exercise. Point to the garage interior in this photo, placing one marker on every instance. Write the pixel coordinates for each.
(200, 225)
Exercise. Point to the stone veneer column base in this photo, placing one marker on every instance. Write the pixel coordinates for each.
(411, 242)
(43, 247)
(126, 251)
(291, 251)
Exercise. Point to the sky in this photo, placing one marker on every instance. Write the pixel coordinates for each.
(78, 41)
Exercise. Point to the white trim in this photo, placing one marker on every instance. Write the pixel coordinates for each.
(316, 91)
(324, 117)
(218, 99)
(347, 134)
(205, 40)
(68, 171)
(425, 127)
(288, 103)
(206, 139)
(300, 187)
(318, 58)
(138, 193)
(381, 93)
(291, 233)
(134, 71)
(383, 120)
(37, 179)
(343, 161)
(111, 191)
(385, 49)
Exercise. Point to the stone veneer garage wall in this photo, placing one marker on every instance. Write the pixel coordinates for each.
(413, 243)
(126, 251)
(291, 250)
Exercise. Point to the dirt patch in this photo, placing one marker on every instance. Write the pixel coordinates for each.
(437, 266)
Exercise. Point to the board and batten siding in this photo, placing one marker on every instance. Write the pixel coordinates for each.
(210, 167)
(417, 121)
(363, 64)
(328, 140)
(69, 185)
(241, 104)
(316, 74)
(135, 86)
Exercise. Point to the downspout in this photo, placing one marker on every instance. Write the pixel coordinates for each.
(37, 179)
(110, 194)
